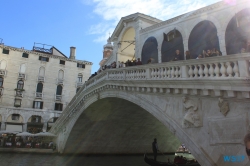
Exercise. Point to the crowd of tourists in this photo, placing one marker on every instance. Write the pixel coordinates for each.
(26, 142)
(177, 56)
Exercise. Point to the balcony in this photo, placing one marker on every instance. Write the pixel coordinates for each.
(40, 79)
(19, 93)
(39, 95)
(79, 84)
(59, 81)
(3, 72)
(21, 76)
(58, 97)
(42, 50)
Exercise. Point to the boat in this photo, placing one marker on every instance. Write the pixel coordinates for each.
(158, 163)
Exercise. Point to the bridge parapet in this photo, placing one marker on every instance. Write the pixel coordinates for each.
(209, 76)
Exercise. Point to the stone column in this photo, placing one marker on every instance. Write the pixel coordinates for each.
(24, 127)
(3, 125)
(222, 43)
(45, 124)
(159, 54)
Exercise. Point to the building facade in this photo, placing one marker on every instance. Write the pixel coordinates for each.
(36, 85)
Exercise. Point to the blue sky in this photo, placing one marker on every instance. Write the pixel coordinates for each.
(85, 24)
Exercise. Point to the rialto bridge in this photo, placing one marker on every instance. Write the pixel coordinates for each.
(203, 103)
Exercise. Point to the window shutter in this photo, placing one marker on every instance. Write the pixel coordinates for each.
(40, 57)
(41, 105)
(77, 64)
(83, 66)
(33, 104)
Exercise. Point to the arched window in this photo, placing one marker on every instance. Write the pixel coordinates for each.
(20, 84)
(79, 77)
(172, 41)
(41, 71)
(22, 68)
(60, 75)
(1, 81)
(39, 88)
(59, 90)
(150, 51)
(3, 65)
(203, 37)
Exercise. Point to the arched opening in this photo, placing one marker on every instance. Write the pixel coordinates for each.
(39, 88)
(59, 90)
(203, 37)
(35, 124)
(172, 41)
(14, 123)
(41, 71)
(126, 46)
(150, 51)
(60, 74)
(22, 68)
(114, 125)
(238, 33)
(3, 65)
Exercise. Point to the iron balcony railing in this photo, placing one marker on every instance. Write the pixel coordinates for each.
(21, 76)
(60, 81)
(40, 79)
(39, 95)
(58, 97)
(3, 72)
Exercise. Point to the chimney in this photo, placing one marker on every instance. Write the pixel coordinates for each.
(72, 53)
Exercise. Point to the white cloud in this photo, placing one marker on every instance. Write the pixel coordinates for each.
(112, 11)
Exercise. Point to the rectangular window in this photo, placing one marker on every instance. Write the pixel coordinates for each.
(25, 55)
(58, 106)
(45, 59)
(62, 62)
(38, 104)
(17, 103)
(81, 65)
(15, 117)
(5, 51)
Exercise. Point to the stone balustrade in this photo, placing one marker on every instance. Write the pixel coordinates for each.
(223, 68)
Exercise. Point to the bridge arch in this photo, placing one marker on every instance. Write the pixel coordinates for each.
(146, 104)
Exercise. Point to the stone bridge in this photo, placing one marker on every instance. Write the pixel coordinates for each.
(202, 103)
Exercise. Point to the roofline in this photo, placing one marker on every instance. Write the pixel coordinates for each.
(59, 51)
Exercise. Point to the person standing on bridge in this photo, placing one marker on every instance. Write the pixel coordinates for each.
(155, 148)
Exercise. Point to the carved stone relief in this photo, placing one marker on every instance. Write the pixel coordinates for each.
(224, 106)
(192, 117)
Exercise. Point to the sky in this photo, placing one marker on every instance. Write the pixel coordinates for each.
(84, 24)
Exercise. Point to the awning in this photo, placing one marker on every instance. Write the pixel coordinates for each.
(11, 127)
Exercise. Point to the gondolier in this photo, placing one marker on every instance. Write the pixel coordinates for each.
(155, 148)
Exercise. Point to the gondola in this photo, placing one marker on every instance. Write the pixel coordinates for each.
(158, 163)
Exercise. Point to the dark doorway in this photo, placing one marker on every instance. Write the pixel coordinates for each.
(203, 37)
(238, 32)
(172, 41)
(149, 50)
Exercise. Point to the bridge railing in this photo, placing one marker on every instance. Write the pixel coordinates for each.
(222, 67)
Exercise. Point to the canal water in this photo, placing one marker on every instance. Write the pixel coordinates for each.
(27, 159)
